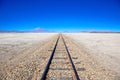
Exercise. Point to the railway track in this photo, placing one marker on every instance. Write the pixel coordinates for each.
(60, 65)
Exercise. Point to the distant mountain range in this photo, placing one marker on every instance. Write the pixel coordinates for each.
(36, 30)
(100, 32)
(40, 30)
(9, 31)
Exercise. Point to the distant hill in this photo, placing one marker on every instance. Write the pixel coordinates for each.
(100, 32)
(9, 31)
(36, 30)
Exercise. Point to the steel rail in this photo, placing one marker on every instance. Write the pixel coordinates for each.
(73, 66)
(51, 57)
(49, 62)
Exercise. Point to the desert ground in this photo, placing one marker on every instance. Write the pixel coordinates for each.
(25, 54)
(12, 44)
(103, 47)
(17, 47)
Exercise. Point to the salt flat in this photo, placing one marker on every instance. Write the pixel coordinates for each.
(14, 46)
(104, 47)
(21, 53)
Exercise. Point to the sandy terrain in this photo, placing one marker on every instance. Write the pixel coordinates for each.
(17, 47)
(12, 44)
(104, 48)
(24, 55)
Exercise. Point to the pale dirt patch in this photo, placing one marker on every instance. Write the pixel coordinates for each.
(13, 44)
(103, 47)
(16, 48)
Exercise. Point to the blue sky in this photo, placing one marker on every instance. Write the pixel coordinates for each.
(60, 15)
